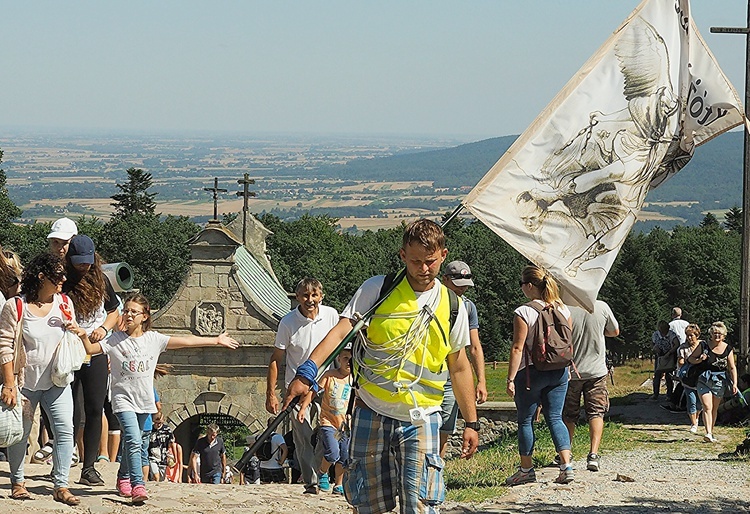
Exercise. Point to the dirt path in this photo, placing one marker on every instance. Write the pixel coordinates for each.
(666, 477)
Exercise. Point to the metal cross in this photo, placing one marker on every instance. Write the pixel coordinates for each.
(215, 190)
(745, 274)
(245, 194)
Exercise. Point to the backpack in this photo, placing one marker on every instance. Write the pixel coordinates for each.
(265, 452)
(552, 342)
(452, 297)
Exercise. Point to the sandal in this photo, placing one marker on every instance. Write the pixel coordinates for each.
(42, 454)
(63, 495)
(19, 492)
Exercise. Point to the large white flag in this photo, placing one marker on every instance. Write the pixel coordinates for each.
(568, 191)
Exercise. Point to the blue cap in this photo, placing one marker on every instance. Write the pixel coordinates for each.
(81, 250)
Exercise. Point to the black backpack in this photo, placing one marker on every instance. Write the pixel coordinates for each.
(265, 452)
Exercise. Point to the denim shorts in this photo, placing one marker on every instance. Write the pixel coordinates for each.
(449, 412)
(715, 383)
(333, 447)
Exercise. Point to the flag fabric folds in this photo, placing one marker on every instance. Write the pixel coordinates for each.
(568, 191)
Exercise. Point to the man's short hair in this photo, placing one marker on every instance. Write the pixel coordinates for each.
(425, 233)
(676, 312)
(308, 284)
(213, 428)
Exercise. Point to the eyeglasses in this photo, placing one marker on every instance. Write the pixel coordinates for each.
(131, 311)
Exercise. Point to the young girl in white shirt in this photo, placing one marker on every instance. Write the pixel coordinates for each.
(133, 353)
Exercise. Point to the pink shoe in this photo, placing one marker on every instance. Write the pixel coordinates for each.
(139, 494)
(124, 488)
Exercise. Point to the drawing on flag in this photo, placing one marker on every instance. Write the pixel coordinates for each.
(569, 190)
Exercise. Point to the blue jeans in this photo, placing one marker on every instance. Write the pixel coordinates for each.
(212, 479)
(548, 388)
(131, 466)
(58, 403)
(691, 399)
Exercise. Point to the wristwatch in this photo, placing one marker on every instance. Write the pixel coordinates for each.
(474, 425)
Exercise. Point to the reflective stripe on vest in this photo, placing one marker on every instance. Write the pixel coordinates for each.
(391, 321)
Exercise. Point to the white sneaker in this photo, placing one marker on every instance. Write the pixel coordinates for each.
(709, 438)
(694, 429)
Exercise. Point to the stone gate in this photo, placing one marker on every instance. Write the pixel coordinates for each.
(229, 286)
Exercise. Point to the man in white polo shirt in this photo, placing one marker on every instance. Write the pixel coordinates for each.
(299, 333)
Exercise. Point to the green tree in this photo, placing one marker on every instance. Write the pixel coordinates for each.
(156, 250)
(710, 221)
(733, 220)
(134, 197)
(8, 210)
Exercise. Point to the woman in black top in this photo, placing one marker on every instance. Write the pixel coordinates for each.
(96, 306)
(718, 375)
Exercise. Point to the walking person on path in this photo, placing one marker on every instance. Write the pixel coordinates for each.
(298, 335)
(400, 362)
(133, 354)
(718, 377)
(590, 380)
(530, 387)
(458, 278)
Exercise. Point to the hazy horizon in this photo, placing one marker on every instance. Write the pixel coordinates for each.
(442, 69)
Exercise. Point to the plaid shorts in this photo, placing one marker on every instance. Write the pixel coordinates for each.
(392, 458)
(595, 398)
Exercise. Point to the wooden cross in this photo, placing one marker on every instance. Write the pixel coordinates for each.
(215, 190)
(245, 194)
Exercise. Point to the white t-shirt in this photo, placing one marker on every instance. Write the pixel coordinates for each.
(276, 441)
(365, 298)
(298, 336)
(2, 301)
(678, 326)
(530, 316)
(40, 338)
(132, 361)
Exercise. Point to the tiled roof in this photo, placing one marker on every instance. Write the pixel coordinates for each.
(259, 286)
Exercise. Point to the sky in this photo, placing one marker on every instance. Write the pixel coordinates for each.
(455, 68)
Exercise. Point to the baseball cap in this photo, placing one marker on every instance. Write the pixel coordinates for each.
(81, 250)
(459, 273)
(64, 229)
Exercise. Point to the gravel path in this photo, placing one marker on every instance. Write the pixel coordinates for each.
(664, 479)
(660, 476)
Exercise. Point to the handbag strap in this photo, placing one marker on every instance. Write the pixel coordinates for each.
(18, 341)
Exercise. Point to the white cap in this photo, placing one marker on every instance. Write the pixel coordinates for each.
(64, 228)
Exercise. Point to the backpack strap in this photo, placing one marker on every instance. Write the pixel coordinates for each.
(453, 299)
(387, 282)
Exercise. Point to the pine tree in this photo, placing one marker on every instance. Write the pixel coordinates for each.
(134, 197)
(733, 220)
(710, 221)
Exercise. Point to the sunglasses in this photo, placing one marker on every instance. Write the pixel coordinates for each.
(458, 277)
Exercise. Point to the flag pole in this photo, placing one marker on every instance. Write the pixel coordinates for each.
(744, 319)
(238, 467)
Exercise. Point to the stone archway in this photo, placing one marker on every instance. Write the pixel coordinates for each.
(211, 402)
(185, 420)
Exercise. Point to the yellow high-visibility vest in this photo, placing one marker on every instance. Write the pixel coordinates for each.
(392, 319)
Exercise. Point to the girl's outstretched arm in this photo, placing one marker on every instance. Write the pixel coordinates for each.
(91, 348)
(176, 342)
